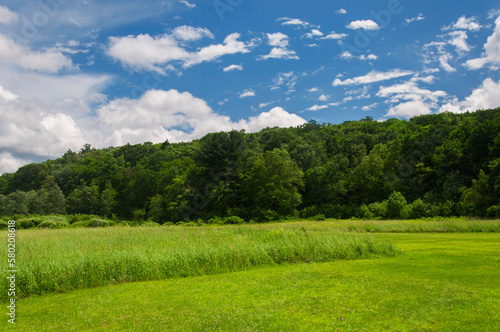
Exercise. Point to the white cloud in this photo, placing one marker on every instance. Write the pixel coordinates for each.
(369, 107)
(464, 23)
(30, 128)
(368, 57)
(209, 53)
(313, 90)
(247, 93)
(314, 33)
(147, 52)
(459, 40)
(277, 39)
(334, 35)
(493, 13)
(233, 67)
(420, 17)
(7, 16)
(292, 21)
(491, 48)
(444, 62)
(484, 97)
(323, 98)
(341, 11)
(409, 109)
(9, 163)
(189, 33)
(409, 99)
(158, 114)
(189, 5)
(363, 24)
(48, 61)
(289, 80)
(262, 105)
(372, 77)
(279, 51)
(315, 108)
(7, 95)
(346, 55)
(441, 55)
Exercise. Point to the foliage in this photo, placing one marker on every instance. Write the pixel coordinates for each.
(446, 164)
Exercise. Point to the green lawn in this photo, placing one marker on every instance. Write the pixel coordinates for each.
(442, 282)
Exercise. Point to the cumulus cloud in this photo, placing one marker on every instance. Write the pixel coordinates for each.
(363, 24)
(48, 61)
(491, 50)
(437, 52)
(314, 33)
(346, 55)
(189, 33)
(334, 35)
(315, 108)
(409, 109)
(280, 50)
(293, 21)
(232, 67)
(147, 52)
(231, 45)
(459, 40)
(323, 98)
(484, 97)
(341, 11)
(372, 77)
(7, 16)
(159, 114)
(247, 93)
(464, 23)
(29, 128)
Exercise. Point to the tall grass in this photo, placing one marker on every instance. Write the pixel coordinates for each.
(67, 259)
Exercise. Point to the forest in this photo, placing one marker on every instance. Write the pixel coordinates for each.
(431, 165)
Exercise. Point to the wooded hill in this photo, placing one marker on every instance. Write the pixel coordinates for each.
(433, 165)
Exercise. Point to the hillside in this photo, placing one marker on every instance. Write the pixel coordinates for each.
(433, 165)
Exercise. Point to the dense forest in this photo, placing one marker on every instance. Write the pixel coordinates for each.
(433, 165)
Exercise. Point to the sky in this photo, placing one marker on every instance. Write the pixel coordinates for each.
(110, 73)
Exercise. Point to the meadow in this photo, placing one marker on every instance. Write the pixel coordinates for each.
(403, 276)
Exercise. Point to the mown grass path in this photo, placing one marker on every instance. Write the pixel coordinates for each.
(442, 282)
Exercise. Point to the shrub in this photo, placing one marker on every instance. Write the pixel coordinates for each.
(493, 211)
(98, 222)
(418, 209)
(150, 224)
(25, 224)
(4, 224)
(365, 213)
(379, 210)
(54, 223)
(397, 207)
(234, 220)
(319, 217)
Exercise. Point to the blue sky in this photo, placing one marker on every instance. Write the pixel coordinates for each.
(115, 72)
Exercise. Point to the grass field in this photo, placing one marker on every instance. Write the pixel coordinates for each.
(63, 260)
(440, 282)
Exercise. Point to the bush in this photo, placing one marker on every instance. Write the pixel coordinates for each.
(98, 222)
(318, 217)
(365, 213)
(235, 220)
(150, 224)
(25, 224)
(493, 211)
(397, 207)
(379, 210)
(4, 224)
(418, 209)
(54, 223)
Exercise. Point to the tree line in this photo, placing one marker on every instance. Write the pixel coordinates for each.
(431, 165)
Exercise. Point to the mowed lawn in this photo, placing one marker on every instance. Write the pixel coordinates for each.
(441, 282)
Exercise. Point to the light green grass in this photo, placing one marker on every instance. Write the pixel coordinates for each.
(67, 259)
(442, 282)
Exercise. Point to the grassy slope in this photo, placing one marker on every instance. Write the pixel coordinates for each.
(443, 282)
